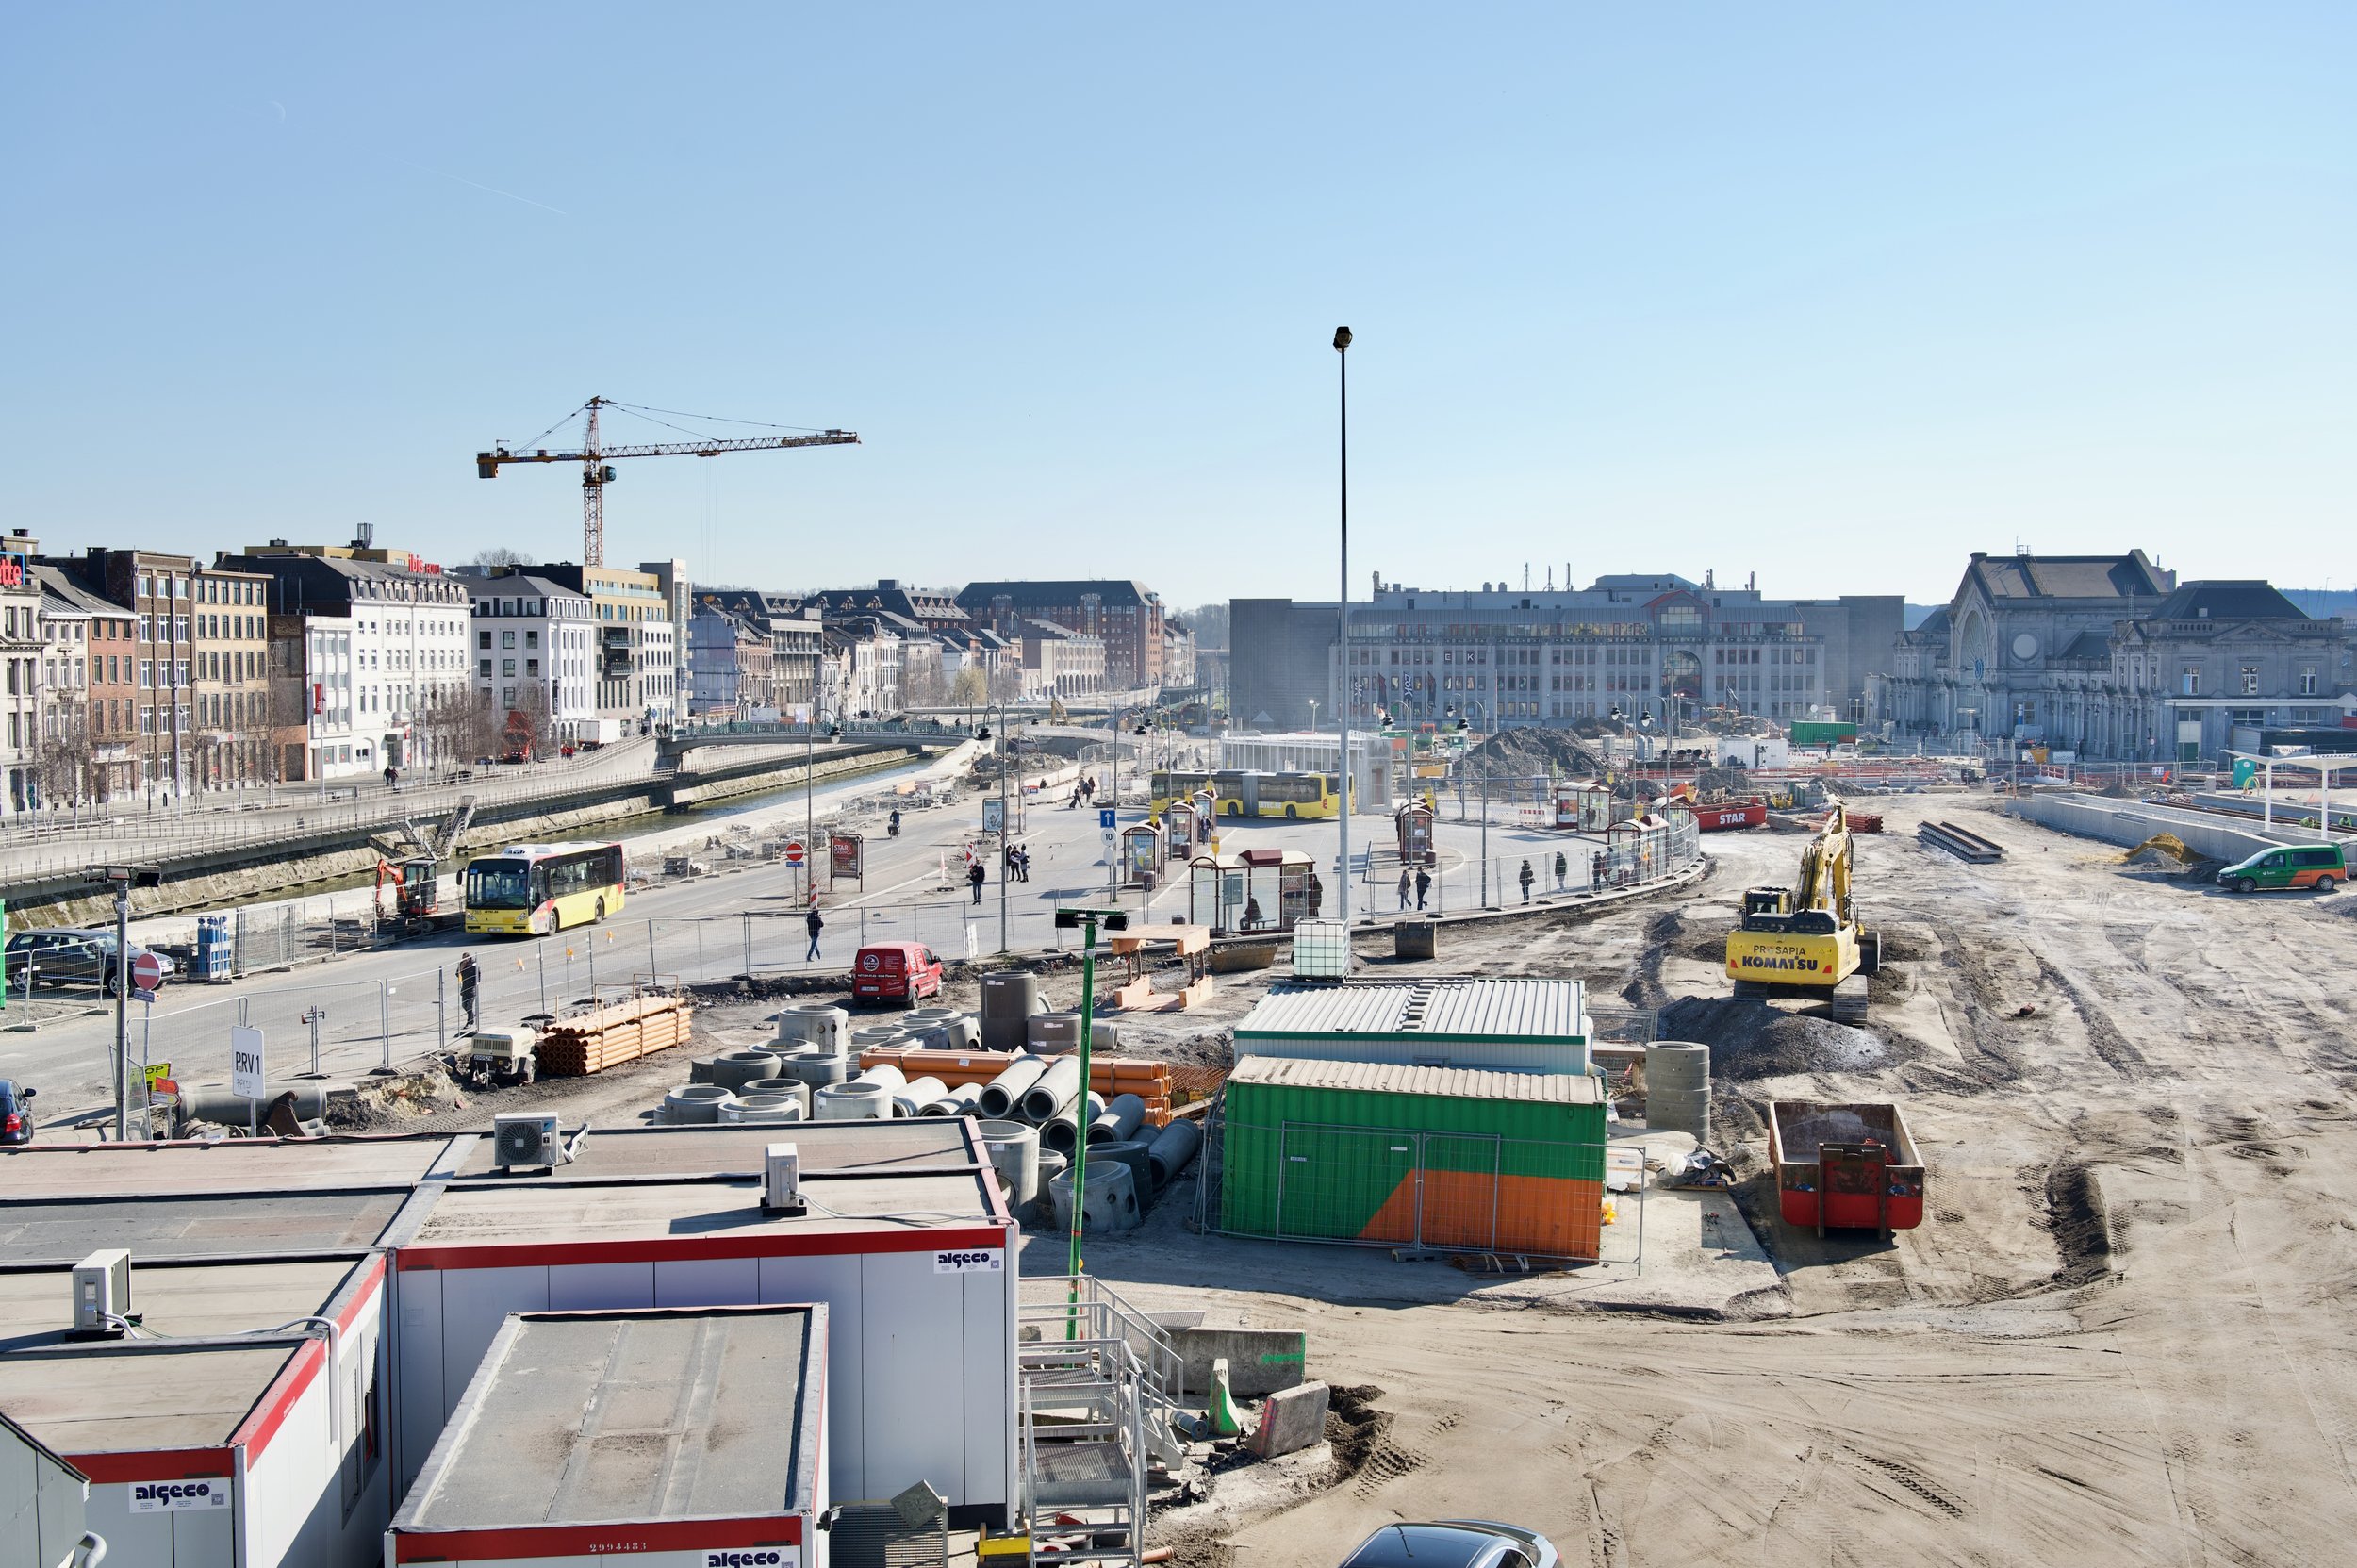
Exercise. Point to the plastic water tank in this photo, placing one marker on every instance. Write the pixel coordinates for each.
(765, 1108)
(856, 1101)
(1054, 1034)
(812, 1023)
(1110, 1196)
(1009, 996)
(1014, 1153)
(1002, 1097)
(739, 1067)
(694, 1104)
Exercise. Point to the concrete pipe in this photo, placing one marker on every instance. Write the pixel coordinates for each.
(1129, 1155)
(1173, 1151)
(1003, 1095)
(867, 1036)
(699, 1068)
(1677, 1064)
(695, 1104)
(1118, 1121)
(1009, 996)
(1680, 1111)
(854, 1101)
(1064, 1132)
(815, 1069)
(740, 1068)
(1109, 1197)
(966, 1101)
(765, 1108)
(1014, 1154)
(811, 1023)
(793, 1087)
(213, 1103)
(1058, 1087)
(883, 1073)
(1051, 1165)
(917, 1094)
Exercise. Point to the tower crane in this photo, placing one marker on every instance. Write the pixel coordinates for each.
(597, 467)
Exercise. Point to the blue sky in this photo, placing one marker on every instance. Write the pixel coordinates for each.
(1831, 294)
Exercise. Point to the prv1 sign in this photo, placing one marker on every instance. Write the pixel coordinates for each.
(247, 1078)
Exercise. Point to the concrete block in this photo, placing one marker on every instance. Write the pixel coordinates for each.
(1412, 939)
(1291, 1420)
(1220, 1408)
(1260, 1360)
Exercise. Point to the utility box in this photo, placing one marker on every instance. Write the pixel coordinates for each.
(101, 1293)
(684, 1438)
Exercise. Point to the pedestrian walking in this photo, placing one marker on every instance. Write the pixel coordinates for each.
(1023, 862)
(1404, 882)
(469, 988)
(1525, 879)
(1562, 868)
(1424, 885)
(1595, 874)
(816, 925)
(975, 875)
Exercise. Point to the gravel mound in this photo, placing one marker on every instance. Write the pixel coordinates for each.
(1750, 1040)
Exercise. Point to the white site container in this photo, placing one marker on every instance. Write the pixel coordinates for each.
(906, 1241)
(725, 1402)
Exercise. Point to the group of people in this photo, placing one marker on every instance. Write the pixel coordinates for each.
(1015, 865)
(1083, 791)
(1419, 882)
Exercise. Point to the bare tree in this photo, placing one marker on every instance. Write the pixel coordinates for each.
(499, 559)
(531, 714)
(971, 689)
(922, 685)
(64, 760)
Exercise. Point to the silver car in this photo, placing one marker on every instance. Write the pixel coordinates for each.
(1454, 1544)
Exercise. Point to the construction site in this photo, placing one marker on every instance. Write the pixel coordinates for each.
(1921, 1183)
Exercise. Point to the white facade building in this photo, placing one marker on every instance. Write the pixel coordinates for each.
(534, 635)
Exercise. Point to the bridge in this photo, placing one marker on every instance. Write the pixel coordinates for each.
(672, 746)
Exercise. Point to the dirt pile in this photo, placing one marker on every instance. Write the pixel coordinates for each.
(1526, 754)
(1750, 1040)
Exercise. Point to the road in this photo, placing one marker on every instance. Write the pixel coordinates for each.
(399, 1003)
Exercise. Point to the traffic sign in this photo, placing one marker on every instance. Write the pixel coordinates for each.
(793, 852)
(1105, 817)
(147, 972)
(246, 1075)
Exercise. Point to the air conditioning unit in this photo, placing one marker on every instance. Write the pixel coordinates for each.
(781, 1179)
(526, 1140)
(101, 1293)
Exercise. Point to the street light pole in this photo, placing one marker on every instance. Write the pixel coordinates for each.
(1342, 619)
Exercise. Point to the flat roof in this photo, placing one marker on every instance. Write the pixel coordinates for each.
(194, 1226)
(826, 1149)
(1393, 1078)
(183, 1383)
(612, 1417)
(230, 1164)
(514, 1215)
(1461, 1007)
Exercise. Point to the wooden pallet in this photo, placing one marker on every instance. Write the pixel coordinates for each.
(608, 1036)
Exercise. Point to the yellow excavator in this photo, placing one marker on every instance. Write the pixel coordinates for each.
(1806, 940)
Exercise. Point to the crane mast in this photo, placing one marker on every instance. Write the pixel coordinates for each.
(597, 467)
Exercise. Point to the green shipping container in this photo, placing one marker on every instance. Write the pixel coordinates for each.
(1397, 1155)
(1822, 732)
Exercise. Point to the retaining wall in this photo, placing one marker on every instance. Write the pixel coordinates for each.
(2130, 824)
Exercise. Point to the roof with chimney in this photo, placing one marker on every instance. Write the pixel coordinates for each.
(2019, 577)
(1059, 594)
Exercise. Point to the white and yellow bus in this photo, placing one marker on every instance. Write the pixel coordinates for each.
(530, 889)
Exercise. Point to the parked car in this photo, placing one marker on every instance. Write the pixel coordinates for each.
(896, 972)
(16, 1113)
(2322, 866)
(57, 954)
(1454, 1544)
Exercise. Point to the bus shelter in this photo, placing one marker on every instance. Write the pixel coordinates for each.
(1413, 824)
(1140, 854)
(1258, 890)
(1179, 822)
(1586, 806)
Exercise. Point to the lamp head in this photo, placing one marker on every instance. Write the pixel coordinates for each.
(1341, 339)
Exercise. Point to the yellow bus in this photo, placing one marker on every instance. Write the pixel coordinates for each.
(531, 889)
(1243, 794)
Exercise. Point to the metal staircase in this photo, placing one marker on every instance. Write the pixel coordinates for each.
(1100, 1393)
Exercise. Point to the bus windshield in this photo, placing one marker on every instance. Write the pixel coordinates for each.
(499, 884)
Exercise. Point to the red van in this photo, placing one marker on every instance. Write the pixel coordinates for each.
(896, 972)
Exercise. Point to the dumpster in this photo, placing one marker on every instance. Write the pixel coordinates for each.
(1845, 1165)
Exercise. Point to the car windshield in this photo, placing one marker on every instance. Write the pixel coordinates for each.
(499, 884)
(1421, 1547)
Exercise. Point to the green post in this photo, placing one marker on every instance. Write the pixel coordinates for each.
(1079, 1117)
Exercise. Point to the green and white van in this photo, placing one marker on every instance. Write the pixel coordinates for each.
(2322, 866)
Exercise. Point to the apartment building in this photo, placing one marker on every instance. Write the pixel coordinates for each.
(21, 648)
(154, 588)
(635, 671)
(108, 762)
(1125, 614)
(536, 650)
(229, 639)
